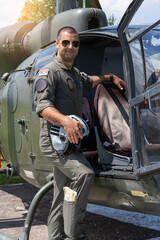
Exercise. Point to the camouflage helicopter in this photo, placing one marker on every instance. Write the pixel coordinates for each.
(124, 142)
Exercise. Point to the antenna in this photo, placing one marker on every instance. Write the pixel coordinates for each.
(57, 6)
(84, 3)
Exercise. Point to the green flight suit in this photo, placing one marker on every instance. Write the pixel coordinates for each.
(57, 86)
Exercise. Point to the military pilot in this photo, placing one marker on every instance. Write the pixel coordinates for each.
(58, 93)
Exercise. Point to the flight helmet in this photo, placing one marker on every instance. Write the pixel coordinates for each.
(59, 137)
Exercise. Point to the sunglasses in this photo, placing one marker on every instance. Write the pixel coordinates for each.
(66, 43)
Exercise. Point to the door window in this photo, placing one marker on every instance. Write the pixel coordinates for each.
(141, 49)
(148, 128)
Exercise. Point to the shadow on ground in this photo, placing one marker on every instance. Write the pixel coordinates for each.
(96, 227)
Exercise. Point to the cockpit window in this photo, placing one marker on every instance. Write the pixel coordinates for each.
(148, 120)
(144, 15)
(152, 52)
(44, 58)
(145, 50)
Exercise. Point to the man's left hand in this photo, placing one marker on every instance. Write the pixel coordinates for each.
(118, 82)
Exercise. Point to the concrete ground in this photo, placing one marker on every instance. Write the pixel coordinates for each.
(14, 204)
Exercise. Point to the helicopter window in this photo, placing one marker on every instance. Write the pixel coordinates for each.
(27, 62)
(144, 12)
(44, 58)
(151, 42)
(146, 59)
(148, 120)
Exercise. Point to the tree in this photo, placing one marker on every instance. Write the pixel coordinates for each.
(37, 10)
(111, 20)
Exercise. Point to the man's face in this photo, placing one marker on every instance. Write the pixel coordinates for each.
(157, 73)
(67, 46)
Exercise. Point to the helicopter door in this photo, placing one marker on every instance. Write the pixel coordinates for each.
(141, 50)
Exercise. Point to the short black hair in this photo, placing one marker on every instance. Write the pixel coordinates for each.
(67, 29)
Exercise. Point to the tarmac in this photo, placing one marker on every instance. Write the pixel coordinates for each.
(14, 204)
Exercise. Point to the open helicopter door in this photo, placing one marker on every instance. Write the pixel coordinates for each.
(141, 50)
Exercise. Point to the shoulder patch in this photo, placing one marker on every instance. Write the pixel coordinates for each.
(43, 72)
(41, 85)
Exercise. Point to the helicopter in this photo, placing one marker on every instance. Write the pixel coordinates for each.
(124, 142)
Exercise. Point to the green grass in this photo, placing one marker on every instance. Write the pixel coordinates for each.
(9, 180)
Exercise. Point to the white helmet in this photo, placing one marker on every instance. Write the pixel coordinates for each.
(59, 137)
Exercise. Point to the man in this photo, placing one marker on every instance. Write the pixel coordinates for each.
(155, 77)
(58, 93)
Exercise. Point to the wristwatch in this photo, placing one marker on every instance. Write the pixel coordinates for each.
(111, 77)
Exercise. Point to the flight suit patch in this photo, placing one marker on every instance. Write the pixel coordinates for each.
(41, 85)
(43, 72)
(71, 84)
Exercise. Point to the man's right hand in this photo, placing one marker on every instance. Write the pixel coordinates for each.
(72, 129)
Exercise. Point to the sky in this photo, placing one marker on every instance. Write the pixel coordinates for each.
(10, 9)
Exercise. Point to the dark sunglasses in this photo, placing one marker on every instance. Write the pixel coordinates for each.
(66, 43)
